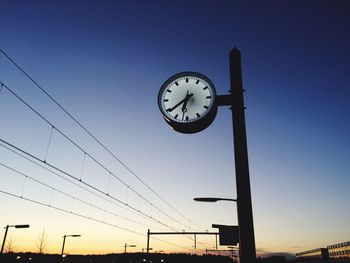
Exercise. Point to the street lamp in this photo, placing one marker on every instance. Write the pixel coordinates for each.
(126, 245)
(64, 241)
(7, 228)
(213, 199)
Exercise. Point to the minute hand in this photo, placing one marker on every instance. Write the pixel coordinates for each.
(184, 109)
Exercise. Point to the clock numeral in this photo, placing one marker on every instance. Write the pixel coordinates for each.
(176, 83)
(186, 118)
(197, 81)
(177, 115)
(205, 88)
(206, 107)
(198, 115)
(208, 97)
(168, 90)
(186, 80)
(165, 100)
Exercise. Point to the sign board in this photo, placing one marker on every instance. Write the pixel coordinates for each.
(228, 235)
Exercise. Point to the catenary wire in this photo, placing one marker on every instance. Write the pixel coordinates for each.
(90, 186)
(89, 155)
(70, 212)
(85, 183)
(71, 196)
(90, 134)
(68, 180)
(85, 217)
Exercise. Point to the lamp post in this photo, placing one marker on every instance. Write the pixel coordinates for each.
(7, 228)
(64, 241)
(213, 200)
(126, 245)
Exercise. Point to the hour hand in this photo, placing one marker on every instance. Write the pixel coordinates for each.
(188, 96)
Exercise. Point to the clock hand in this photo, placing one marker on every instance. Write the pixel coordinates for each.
(183, 113)
(178, 104)
(188, 96)
(184, 109)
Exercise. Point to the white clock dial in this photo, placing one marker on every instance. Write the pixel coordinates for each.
(187, 98)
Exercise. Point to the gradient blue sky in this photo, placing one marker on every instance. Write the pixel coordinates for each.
(105, 61)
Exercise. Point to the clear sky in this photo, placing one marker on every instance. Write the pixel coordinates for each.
(104, 61)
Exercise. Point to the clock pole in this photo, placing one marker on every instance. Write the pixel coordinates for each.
(244, 202)
(236, 102)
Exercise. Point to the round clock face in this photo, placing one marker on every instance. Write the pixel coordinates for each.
(187, 101)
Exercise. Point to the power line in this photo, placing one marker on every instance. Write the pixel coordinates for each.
(87, 217)
(81, 181)
(70, 212)
(85, 183)
(69, 195)
(92, 136)
(66, 179)
(86, 153)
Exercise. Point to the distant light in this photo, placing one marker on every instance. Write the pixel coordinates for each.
(162, 260)
(64, 256)
(18, 257)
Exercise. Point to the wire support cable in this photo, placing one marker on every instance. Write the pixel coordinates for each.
(86, 184)
(85, 217)
(81, 181)
(79, 186)
(71, 212)
(91, 135)
(69, 195)
(89, 155)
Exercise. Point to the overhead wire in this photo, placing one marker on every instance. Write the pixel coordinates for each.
(91, 135)
(68, 180)
(86, 153)
(87, 217)
(71, 196)
(85, 183)
(89, 185)
(70, 212)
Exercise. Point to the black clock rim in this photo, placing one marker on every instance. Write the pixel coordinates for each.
(193, 127)
(182, 74)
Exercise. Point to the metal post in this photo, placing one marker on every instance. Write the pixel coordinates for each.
(4, 241)
(64, 242)
(148, 241)
(244, 204)
(195, 241)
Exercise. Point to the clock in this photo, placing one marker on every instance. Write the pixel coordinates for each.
(187, 102)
